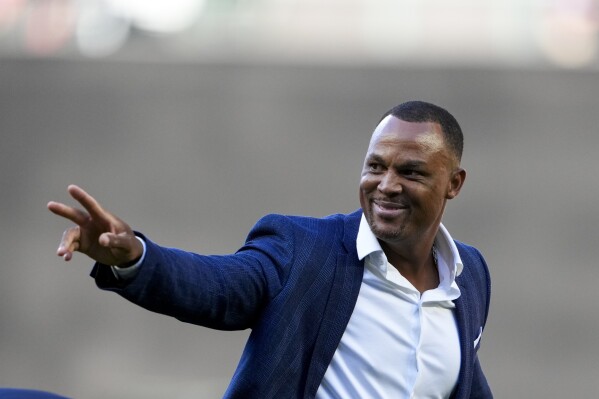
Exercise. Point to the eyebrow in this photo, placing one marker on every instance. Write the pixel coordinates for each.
(375, 157)
(412, 163)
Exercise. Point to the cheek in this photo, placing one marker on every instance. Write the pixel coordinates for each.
(364, 190)
(422, 196)
(433, 201)
(368, 184)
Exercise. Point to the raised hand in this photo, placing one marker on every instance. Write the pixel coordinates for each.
(97, 233)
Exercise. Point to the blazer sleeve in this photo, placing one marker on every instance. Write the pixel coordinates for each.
(224, 292)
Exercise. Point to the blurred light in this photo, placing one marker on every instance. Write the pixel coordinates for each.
(9, 12)
(160, 16)
(509, 33)
(99, 31)
(49, 26)
(568, 32)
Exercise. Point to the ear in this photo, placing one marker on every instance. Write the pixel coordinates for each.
(455, 183)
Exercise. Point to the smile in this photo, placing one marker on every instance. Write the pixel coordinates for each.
(388, 209)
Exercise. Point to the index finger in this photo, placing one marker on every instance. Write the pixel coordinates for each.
(88, 202)
(75, 215)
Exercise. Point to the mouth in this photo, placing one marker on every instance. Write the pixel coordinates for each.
(388, 209)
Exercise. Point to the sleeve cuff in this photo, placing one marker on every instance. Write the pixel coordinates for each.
(127, 273)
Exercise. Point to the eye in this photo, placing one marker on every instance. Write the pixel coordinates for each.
(375, 167)
(412, 173)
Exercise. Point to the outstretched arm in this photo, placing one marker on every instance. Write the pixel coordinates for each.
(97, 233)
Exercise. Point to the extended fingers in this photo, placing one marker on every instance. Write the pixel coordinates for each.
(75, 215)
(88, 202)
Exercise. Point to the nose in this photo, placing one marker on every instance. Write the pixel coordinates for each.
(390, 184)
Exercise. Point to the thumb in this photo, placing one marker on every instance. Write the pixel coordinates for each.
(117, 241)
(124, 247)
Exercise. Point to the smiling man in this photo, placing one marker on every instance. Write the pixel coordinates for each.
(380, 303)
(409, 174)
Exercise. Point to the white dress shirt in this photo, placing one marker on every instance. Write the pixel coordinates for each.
(398, 343)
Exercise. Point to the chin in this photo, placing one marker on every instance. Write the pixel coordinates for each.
(386, 233)
(387, 236)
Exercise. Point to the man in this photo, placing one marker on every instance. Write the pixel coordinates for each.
(380, 303)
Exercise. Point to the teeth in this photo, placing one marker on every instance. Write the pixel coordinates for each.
(388, 205)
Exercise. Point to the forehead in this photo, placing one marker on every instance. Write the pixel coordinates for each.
(393, 134)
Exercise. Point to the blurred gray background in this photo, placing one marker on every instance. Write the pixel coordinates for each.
(193, 134)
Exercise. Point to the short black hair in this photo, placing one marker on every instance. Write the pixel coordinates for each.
(421, 111)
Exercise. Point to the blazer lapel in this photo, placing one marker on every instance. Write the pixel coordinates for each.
(345, 288)
(462, 311)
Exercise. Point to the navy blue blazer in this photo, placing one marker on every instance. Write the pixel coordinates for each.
(295, 283)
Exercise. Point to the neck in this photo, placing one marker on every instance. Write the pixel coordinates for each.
(417, 264)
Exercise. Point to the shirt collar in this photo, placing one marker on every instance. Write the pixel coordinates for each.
(367, 243)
